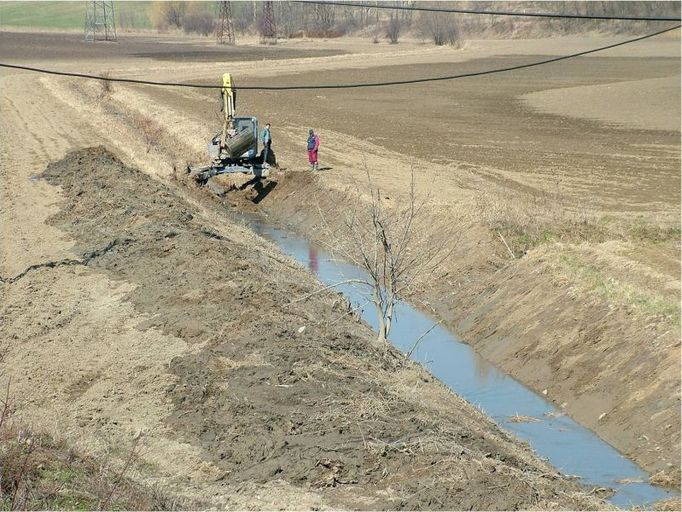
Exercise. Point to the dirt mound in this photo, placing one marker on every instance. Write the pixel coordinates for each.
(272, 392)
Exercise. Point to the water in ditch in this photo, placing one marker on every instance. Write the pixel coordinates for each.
(571, 448)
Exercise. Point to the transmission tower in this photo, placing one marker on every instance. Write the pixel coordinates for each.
(268, 29)
(99, 20)
(225, 28)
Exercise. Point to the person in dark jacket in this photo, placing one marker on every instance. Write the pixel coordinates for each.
(267, 143)
(313, 146)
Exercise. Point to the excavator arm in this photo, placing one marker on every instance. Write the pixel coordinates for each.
(229, 95)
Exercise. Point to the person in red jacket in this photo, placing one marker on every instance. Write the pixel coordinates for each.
(313, 146)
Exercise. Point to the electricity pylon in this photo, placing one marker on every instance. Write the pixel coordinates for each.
(99, 21)
(225, 28)
(268, 29)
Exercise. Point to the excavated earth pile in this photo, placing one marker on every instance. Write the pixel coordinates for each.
(289, 404)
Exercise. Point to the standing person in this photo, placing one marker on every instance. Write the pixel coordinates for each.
(267, 142)
(313, 146)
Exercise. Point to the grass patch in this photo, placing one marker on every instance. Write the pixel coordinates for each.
(529, 232)
(529, 220)
(69, 15)
(617, 292)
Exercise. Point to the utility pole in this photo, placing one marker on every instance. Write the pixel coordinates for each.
(225, 28)
(268, 29)
(99, 21)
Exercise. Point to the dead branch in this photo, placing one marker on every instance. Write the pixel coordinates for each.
(328, 287)
(416, 343)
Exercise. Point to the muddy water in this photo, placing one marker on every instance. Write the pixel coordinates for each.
(571, 448)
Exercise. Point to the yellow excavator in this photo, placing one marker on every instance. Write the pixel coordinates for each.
(235, 148)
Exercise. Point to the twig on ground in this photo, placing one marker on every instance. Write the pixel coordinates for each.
(328, 287)
(506, 245)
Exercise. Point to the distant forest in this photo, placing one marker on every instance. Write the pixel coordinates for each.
(298, 20)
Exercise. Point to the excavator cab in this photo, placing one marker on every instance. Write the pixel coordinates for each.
(239, 146)
(249, 124)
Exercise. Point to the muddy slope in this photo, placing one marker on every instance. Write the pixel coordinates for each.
(272, 394)
(601, 363)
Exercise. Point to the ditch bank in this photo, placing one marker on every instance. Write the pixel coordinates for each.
(599, 363)
(286, 402)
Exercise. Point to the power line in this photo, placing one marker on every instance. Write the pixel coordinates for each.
(340, 86)
(495, 13)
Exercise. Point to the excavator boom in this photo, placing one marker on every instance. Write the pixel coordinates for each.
(235, 148)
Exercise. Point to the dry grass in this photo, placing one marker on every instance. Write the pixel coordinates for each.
(672, 504)
(528, 220)
(150, 130)
(592, 279)
(666, 479)
(107, 85)
(519, 418)
(38, 472)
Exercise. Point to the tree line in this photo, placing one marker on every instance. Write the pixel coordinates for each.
(300, 20)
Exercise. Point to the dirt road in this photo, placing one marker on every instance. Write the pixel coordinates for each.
(588, 309)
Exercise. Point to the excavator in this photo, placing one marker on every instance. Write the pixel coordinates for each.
(235, 148)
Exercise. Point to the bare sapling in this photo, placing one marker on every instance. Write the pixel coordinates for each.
(390, 243)
(107, 84)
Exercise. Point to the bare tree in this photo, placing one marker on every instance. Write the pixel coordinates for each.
(438, 27)
(392, 247)
(393, 28)
(287, 18)
(199, 22)
(325, 16)
(167, 14)
(406, 15)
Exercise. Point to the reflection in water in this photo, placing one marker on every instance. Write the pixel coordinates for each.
(484, 370)
(313, 264)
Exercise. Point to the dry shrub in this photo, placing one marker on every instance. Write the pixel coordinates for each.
(151, 131)
(670, 479)
(525, 221)
(438, 27)
(199, 23)
(324, 34)
(393, 29)
(167, 14)
(107, 84)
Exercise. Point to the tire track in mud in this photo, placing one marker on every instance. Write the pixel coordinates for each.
(84, 261)
(274, 394)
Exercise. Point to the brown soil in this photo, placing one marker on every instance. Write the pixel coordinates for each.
(59, 46)
(268, 393)
(588, 308)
